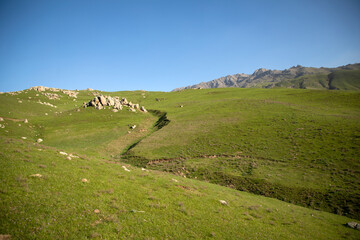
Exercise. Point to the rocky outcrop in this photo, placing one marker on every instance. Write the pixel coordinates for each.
(70, 93)
(99, 102)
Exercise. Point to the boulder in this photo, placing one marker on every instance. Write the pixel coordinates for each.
(117, 105)
(132, 110)
(136, 106)
(26, 121)
(1, 119)
(124, 101)
(353, 225)
(102, 100)
(143, 109)
(110, 101)
(39, 140)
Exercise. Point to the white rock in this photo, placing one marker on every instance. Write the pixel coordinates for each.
(26, 121)
(223, 202)
(125, 169)
(1, 119)
(63, 153)
(39, 140)
(36, 175)
(23, 137)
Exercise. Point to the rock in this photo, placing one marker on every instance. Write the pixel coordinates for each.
(68, 158)
(174, 180)
(132, 110)
(85, 104)
(99, 107)
(39, 140)
(124, 101)
(36, 175)
(136, 106)
(19, 101)
(96, 211)
(26, 121)
(102, 100)
(110, 101)
(52, 96)
(133, 127)
(84, 180)
(24, 138)
(181, 106)
(125, 169)
(118, 106)
(115, 110)
(223, 202)
(1, 119)
(143, 109)
(63, 153)
(353, 225)
(38, 88)
(90, 89)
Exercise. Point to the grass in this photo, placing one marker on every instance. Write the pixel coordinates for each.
(295, 138)
(115, 204)
(300, 146)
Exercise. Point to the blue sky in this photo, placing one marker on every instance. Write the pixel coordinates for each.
(162, 45)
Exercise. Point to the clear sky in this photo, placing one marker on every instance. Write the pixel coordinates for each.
(164, 44)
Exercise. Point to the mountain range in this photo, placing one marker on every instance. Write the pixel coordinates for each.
(341, 78)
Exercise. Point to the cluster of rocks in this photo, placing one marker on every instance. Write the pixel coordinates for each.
(46, 103)
(100, 102)
(43, 89)
(52, 96)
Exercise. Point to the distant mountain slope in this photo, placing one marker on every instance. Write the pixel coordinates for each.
(344, 77)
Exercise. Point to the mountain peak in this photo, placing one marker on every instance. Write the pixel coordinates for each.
(260, 71)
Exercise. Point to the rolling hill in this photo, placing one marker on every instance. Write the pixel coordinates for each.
(95, 175)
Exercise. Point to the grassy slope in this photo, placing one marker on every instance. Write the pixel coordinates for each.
(297, 145)
(346, 80)
(60, 206)
(306, 82)
(340, 80)
(221, 121)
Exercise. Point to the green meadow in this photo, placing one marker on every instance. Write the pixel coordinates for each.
(286, 161)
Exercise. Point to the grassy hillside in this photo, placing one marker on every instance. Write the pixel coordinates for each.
(300, 146)
(339, 80)
(320, 81)
(116, 204)
(346, 80)
(297, 145)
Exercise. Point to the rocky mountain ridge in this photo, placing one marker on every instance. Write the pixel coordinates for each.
(266, 78)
